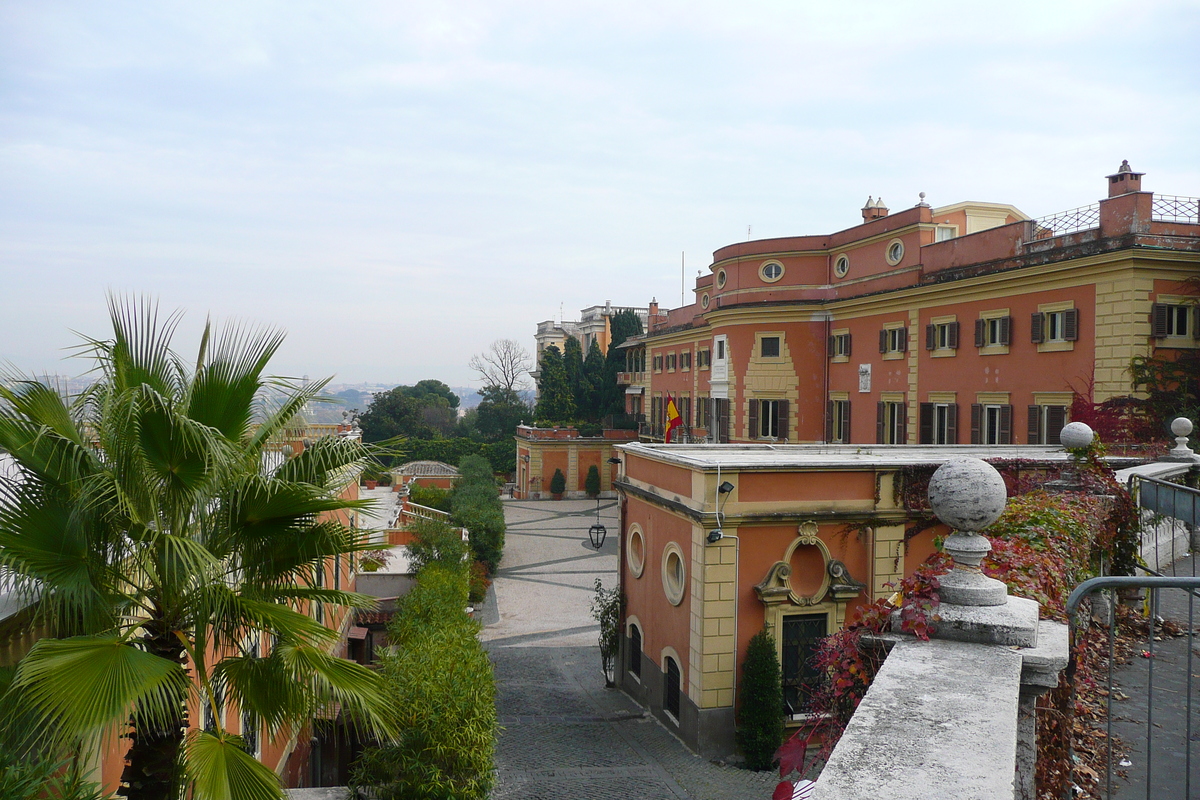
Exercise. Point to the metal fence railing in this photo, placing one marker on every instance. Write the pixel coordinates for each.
(1173, 208)
(1064, 222)
(1159, 683)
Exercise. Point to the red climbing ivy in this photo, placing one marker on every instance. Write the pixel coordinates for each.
(1042, 547)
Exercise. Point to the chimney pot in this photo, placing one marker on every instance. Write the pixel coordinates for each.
(1124, 180)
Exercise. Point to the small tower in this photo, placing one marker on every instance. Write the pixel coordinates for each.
(1124, 180)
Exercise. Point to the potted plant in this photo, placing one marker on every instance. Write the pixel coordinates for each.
(558, 484)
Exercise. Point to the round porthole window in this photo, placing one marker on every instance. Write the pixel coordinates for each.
(674, 573)
(841, 266)
(721, 276)
(635, 551)
(771, 271)
(704, 301)
(895, 252)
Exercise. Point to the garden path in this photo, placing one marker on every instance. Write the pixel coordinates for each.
(564, 734)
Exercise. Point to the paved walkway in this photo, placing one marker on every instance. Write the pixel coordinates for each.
(565, 735)
(1168, 727)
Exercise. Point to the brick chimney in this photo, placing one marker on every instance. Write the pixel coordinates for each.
(1124, 181)
(874, 209)
(653, 307)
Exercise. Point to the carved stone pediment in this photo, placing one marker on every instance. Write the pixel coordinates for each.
(836, 582)
(842, 584)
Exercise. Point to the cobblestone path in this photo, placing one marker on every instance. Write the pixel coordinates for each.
(564, 735)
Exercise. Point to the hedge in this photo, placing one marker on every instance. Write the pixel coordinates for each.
(441, 688)
(475, 505)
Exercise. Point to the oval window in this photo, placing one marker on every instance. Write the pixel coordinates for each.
(841, 266)
(674, 574)
(771, 271)
(721, 276)
(635, 551)
(704, 301)
(895, 252)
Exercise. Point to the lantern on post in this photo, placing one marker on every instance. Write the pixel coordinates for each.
(597, 532)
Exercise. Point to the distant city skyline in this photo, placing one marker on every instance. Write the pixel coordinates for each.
(398, 185)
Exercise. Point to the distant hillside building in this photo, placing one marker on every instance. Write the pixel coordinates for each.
(593, 324)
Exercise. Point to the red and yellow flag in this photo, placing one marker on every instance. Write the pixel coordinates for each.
(673, 419)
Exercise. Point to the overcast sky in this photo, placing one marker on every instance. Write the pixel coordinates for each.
(397, 184)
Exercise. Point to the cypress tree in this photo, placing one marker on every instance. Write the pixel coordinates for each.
(594, 373)
(622, 326)
(760, 715)
(591, 484)
(555, 403)
(573, 364)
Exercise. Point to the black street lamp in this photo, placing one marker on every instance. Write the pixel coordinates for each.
(597, 532)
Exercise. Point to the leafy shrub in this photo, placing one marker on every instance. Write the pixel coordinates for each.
(475, 505)
(760, 714)
(479, 582)
(430, 496)
(558, 482)
(591, 483)
(608, 607)
(435, 541)
(442, 694)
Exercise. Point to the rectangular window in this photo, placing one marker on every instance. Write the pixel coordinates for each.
(991, 424)
(891, 423)
(218, 699)
(938, 423)
(945, 232)
(893, 340)
(800, 636)
(658, 363)
(702, 405)
(1171, 320)
(720, 349)
(319, 582)
(703, 359)
(1047, 327)
(993, 332)
(941, 336)
(770, 347)
(718, 419)
(685, 359)
(768, 419)
(1046, 423)
(839, 345)
(837, 422)
(670, 362)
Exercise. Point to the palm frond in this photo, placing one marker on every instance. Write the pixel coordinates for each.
(225, 388)
(219, 768)
(79, 685)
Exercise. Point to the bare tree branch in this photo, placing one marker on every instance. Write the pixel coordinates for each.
(504, 365)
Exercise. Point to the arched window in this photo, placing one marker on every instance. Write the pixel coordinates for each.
(635, 650)
(671, 680)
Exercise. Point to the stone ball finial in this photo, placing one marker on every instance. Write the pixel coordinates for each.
(967, 494)
(1076, 435)
(1181, 426)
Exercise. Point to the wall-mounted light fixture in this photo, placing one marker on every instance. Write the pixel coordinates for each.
(723, 491)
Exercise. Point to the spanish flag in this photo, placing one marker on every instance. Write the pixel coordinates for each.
(673, 419)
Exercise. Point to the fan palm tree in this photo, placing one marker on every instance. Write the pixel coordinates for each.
(160, 535)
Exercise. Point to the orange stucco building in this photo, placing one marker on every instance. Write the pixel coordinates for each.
(970, 323)
(961, 330)
(719, 542)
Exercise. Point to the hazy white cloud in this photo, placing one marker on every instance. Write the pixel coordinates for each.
(399, 184)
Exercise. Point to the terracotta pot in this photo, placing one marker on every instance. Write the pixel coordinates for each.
(371, 484)
(557, 495)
